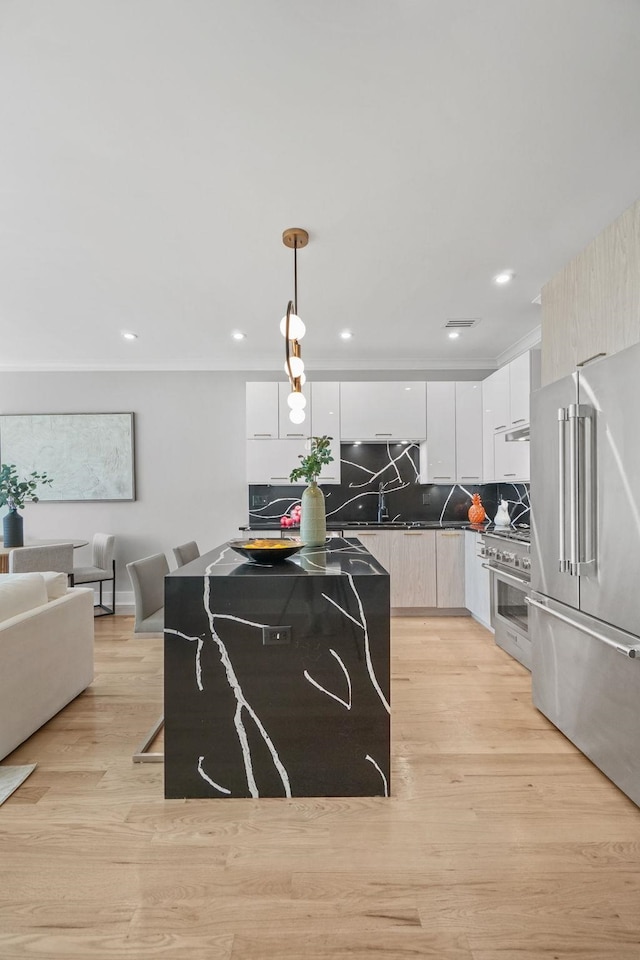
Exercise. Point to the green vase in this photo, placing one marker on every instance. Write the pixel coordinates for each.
(12, 529)
(313, 521)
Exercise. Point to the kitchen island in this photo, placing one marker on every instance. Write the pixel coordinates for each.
(277, 676)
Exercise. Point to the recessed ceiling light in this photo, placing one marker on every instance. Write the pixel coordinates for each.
(505, 276)
(237, 335)
(127, 335)
(454, 335)
(346, 335)
(407, 388)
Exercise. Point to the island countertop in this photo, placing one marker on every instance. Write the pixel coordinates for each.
(341, 556)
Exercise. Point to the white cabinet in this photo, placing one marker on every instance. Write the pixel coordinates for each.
(511, 459)
(469, 431)
(267, 413)
(262, 411)
(519, 389)
(505, 396)
(286, 429)
(441, 433)
(453, 450)
(477, 595)
(325, 422)
(271, 461)
(450, 568)
(383, 410)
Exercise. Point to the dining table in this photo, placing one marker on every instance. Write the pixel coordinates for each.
(5, 551)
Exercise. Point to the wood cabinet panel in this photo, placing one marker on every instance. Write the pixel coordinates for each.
(592, 305)
(413, 568)
(450, 568)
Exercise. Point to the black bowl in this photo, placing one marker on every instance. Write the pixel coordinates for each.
(262, 550)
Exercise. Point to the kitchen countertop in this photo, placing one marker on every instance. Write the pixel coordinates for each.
(373, 525)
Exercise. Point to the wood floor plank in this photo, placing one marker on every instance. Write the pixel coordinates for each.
(500, 841)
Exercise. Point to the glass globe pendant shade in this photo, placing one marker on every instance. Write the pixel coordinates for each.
(297, 367)
(297, 415)
(297, 328)
(297, 401)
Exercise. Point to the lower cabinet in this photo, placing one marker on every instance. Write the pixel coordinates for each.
(426, 567)
(450, 568)
(477, 587)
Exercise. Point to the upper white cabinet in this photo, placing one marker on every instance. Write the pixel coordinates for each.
(272, 461)
(268, 413)
(505, 404)
(440, 447)
(325, 422)
(519, 389)
(287, 429)
(383, 410)
(469, 431)
(262, 411)
(453, 451)
(511, 459)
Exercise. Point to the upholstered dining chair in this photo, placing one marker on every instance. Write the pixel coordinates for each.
(102, 570)
(55, 556)
(147, 579)
(186, 552)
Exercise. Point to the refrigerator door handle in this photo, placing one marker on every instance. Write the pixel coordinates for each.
(563, 565)
(580, 488)
(631, 651)
(573, 489)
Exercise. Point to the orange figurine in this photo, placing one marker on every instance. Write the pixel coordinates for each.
(476, 510)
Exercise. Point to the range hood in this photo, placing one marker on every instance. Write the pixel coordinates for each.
(520, 433)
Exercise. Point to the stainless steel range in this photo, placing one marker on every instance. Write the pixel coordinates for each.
(509, 563)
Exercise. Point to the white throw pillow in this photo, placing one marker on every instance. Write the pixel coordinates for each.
(20, 593)
(56, 584)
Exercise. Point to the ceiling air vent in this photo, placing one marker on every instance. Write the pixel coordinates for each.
(462, 324)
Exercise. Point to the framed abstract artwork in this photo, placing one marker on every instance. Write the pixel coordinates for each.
(90, 456)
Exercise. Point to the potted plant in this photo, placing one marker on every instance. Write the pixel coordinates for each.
(15, 493)
(313, 522)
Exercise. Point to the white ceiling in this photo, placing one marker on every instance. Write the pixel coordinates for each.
(153, 151)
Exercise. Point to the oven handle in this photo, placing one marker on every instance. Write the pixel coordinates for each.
(632, 651)
(502, 573)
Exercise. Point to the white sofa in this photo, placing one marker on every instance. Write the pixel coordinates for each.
(46, 651)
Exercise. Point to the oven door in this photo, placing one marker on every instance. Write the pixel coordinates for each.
(510, 613)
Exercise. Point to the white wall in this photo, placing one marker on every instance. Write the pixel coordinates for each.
(190, 459)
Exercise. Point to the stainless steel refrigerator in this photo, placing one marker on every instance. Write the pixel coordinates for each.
(585, 559)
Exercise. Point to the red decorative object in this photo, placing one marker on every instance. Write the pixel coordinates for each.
(476, 510)
(292, 519)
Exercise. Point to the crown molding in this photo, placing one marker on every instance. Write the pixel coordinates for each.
(532, 339)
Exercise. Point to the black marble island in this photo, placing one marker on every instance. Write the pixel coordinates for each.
(277, 677)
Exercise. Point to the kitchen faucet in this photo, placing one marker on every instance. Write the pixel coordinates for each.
(383, 512)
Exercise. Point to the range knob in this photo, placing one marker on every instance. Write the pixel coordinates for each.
(526, 563)
(508, 557)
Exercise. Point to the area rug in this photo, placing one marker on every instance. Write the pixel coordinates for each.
(12, 777)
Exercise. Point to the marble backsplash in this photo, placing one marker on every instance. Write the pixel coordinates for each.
(395, 465)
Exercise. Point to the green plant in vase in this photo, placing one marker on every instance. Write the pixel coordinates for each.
(15, 492)
(313, 521)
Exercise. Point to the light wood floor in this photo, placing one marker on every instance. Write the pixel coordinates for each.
(501, 842)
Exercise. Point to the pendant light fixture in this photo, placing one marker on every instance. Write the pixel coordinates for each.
(293, 330)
